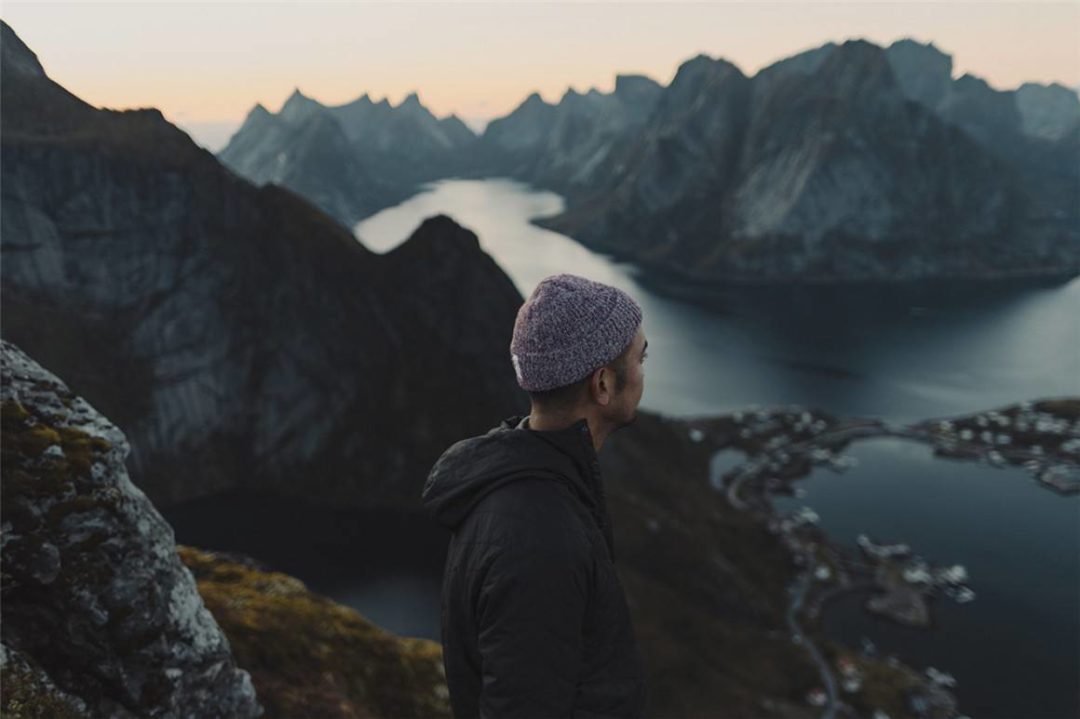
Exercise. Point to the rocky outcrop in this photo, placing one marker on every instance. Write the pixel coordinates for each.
(564, 146)
(1047, 111)
(1032, 111)
(100, 617)
(312, 157)
(236, 334)
(350, 160)
(846, 162)
(309, 656)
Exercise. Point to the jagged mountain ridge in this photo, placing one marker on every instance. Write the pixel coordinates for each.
(655, 174)
(561, 146)
(352, 159)
(822, 167)
(235, 333)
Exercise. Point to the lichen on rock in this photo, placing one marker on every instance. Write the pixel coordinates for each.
(94, 594)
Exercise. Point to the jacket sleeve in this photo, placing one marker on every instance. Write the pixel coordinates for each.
(530, 614)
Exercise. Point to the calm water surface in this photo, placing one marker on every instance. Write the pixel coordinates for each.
(1015, 649)
(898, 352)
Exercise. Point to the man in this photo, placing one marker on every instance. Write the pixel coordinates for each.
(534, 619)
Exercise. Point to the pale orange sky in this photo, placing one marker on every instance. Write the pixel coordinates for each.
(203, 63)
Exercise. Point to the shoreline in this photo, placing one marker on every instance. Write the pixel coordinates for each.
(784, 445)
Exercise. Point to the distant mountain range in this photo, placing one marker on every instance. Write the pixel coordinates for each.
(237, 334)
(350, 160)
(564, 146)
(844, 162)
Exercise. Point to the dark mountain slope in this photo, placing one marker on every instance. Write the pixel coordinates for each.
(821, 168)
(237, 334)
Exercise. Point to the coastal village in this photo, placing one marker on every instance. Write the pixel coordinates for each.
(1042, 437)
(780, 446)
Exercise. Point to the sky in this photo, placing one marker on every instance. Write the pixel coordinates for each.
(205, 65)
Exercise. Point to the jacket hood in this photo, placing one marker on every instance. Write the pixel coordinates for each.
(474, 467)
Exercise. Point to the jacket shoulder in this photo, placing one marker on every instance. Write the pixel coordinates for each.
(532, 513)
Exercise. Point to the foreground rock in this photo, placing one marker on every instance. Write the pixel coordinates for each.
(100, 617)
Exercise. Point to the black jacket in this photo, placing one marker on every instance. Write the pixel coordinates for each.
(534, 619)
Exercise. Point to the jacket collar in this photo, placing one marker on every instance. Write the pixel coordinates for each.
(576, 442)
(575, 439)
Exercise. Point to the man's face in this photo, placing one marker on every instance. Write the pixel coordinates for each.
(626, 402)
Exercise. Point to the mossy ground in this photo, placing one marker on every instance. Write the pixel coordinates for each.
(309, 656)
(25, 696)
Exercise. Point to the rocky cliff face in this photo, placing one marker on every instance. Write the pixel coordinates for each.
(236, 334)
(350, 160)
(564, 146)
(100, 617)
(104, 615)
(844, 162)
(1048, 112)
(313, 157)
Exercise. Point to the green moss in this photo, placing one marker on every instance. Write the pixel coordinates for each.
(309, 656)
(25, 697)
(30, 479)
(25, 438)
(12, 411)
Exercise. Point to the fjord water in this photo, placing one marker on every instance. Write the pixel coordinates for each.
(900, 352)
(1014, 650)
(903, 352)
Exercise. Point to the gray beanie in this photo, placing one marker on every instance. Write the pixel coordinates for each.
(567, 328)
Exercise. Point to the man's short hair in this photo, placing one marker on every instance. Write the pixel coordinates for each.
(569, 396)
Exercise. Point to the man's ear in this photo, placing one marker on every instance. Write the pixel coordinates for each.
(602, 386)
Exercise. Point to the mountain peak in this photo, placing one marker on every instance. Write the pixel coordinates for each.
(702, 66)
(438, 241)
(699, 60)
(257, 113)
(411, 100)
(858, 63)
(534, 99)
(16, 55)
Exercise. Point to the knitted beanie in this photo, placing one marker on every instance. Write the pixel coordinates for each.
(569, 327)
